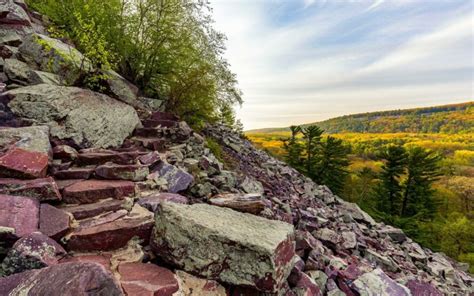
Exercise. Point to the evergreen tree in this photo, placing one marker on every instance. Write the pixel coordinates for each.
(422, 170)
(331, 163)
(293, 148)
(312, 145)
(389, 191)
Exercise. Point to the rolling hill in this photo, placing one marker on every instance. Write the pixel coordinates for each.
(452, 119)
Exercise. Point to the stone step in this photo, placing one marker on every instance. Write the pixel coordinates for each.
(75, 173)
(131, 172)
(112, 235)
(159, 123)
(98, 158)
(84, 211)
(44, 189)
(91, 191)
(148, 132)
(153, 143)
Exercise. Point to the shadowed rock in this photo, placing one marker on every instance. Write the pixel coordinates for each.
(90, 191)
(219, 243)
(132, 172)
(54, 222)
(78, 279)
(90, 210)
(19, 213)
(41, 189)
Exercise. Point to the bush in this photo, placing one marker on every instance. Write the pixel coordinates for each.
(168, 48)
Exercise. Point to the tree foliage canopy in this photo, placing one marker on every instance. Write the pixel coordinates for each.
(166, 47)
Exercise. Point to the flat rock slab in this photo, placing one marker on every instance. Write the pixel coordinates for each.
(222, 244)
(74, 173)
(131, 172)
(377, 283)
(90, 210)
(44, 189)
(20, 163)
(78, 279)
(30, 138)
(87, 118)
(33, 251)
(19, 213)
(178, 180)
(113, 235)
(247, 203)
(90, 191)
(53, 222)
(102, 157)
(147, 279)
(151, 202)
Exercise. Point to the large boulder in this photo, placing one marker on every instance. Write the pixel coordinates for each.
(87, 118)
(225, 245)
(53, 55)
(79, 279)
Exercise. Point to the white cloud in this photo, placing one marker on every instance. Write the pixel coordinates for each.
(340, 59)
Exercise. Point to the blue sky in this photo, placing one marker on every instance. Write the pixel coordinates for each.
(300, 61)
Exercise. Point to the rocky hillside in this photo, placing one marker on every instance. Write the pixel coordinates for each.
(100, 196)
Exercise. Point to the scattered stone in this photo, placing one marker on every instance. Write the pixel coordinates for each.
(53, 222)
(151, 202)
(349, 240)
(418, 288)
(147, 279)
(88, 119)
(377, 283)
(394, 233)
(42, 189)
(132, 172)
(383, 261)
(13, 14)
(357, 213)
(247, 203)
(65, 152)
(219, 243)
(194, 286)
(328, 236)
(90, 191)
(63, 279)
(33, 251)
(251, 186)
(75, 173)
(177, 179)
(150, 159)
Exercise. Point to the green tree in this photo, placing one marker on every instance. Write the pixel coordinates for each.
(293, 148)
(312, 144)
(422, 170)
(331, 164)
(389, 191)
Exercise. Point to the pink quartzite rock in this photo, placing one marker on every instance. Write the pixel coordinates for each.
(33, 251)
(247, 203)
(191, 285)
(78, 279)
(222, 244)
(151, 202)
(147, 279)
(150, 158)
(90, 191)
(74, 173)
(54, 222)
(64, 152)
(41, 189)
(178, 179)
(102, 157)
(20, 163)
(113, 235)
(132, 172)
(103, 259)
(19, 213)
(90, 210)
(418, 288)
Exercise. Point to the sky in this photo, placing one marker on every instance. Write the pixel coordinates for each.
(301, 61)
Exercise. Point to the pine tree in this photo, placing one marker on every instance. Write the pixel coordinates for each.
(389, 192)
(312, 145)
(422, 170)
(331, 163)
(293, 148)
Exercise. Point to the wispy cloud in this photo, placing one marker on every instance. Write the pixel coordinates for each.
(314, 60)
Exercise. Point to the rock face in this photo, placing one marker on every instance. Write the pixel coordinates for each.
(19, 213)
(86, 118)
(79, 279)
(219, 243)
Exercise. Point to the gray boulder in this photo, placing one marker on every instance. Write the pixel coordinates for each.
(87, 118)
(377, 283)
(30, 138)
(222, 244)
(53, 55)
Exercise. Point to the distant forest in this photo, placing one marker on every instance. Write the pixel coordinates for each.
(451, 119)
